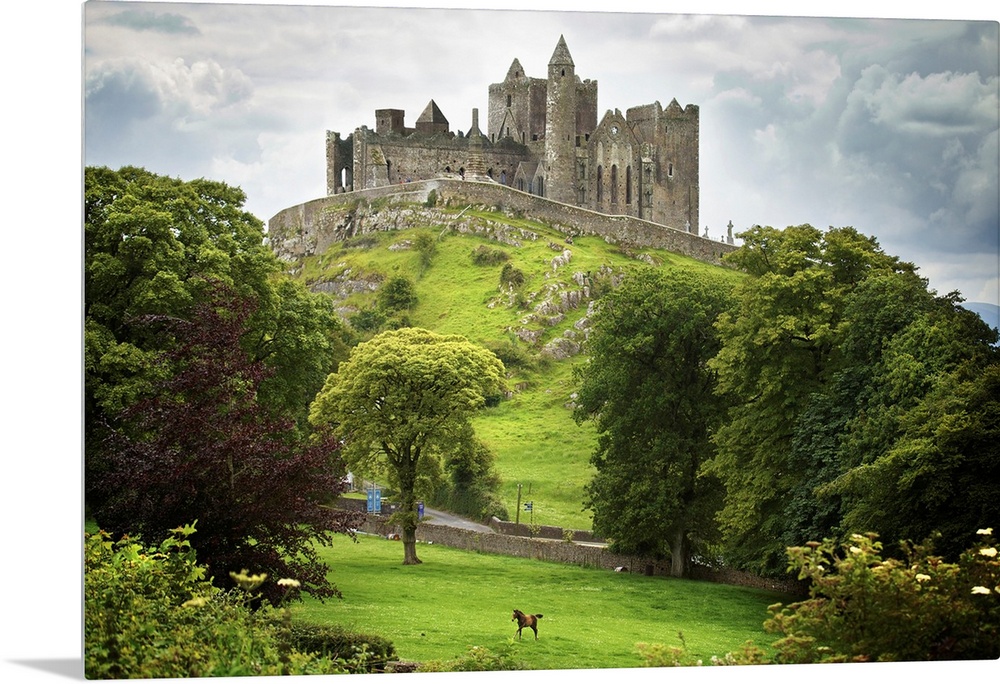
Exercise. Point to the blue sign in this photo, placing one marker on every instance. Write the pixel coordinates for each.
(374, 500)
(527, 506)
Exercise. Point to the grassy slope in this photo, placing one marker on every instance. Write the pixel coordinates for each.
(536, 440)
(475, 594)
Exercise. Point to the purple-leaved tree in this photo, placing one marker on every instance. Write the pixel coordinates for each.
(201, 448)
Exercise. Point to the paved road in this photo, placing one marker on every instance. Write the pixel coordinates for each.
(436, 517)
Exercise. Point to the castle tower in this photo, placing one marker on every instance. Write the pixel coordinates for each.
(339, 164)
(475, 169)
(679, 166)
(560, 126)
(517, 107)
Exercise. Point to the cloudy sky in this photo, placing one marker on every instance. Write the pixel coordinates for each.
(887, 125)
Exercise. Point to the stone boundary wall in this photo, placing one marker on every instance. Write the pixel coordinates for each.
(310, 228)
(573, 553)
(541, 531)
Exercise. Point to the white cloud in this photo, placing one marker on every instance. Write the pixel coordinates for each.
(180, 90)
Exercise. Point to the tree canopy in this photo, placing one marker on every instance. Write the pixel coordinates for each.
(201, 447)
(649, 390)
(402, 399)
(155, 245)
(850, 385)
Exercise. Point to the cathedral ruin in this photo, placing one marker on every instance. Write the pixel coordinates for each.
(543, 137)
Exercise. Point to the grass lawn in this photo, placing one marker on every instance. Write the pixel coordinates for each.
(540, 447)
(593, 618)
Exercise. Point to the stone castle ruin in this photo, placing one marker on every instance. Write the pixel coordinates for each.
(543, 138)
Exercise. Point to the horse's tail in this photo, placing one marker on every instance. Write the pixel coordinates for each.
(539, 616)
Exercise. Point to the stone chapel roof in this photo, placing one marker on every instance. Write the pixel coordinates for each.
(561, 54)
(432, 115)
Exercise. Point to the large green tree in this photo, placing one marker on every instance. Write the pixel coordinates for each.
(648, 388)
(927, 435)
(862, 401)
(155, 245)
(780, 350)
(403, 399)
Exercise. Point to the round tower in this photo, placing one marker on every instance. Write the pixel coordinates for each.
(560, 126)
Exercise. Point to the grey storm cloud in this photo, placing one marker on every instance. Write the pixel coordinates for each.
(927, 143)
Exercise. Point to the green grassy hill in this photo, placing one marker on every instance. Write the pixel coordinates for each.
(533, 433)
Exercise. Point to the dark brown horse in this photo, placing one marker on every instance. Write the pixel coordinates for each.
(526, 621)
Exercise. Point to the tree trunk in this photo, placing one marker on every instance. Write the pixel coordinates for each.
(408, 506)
(679, 555)
(410, 545)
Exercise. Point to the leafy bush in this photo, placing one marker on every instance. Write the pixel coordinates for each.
(426, 247)
(472, 483)
(478, 659)
(489, 256)
(511, 277)
(367, 320)
(864, 608)
(370, 650)
(151, 613)
(512, 355)
(397, 294)
(660, 655)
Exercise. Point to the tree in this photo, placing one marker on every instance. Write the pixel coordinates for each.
(301, 338)
(780, 350)
(472, 482)
(396, 294)
(202, 447)
(402, 399)
(652, 396)
(156, 246)
(426, 247)
(927, 439)
(862, 401)
(881, 305)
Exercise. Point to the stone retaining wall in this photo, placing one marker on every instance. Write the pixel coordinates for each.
(310, 228)
(540, 531)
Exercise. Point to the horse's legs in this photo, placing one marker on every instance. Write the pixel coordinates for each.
(535, 630)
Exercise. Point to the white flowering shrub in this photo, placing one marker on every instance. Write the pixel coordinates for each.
(862, 607)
